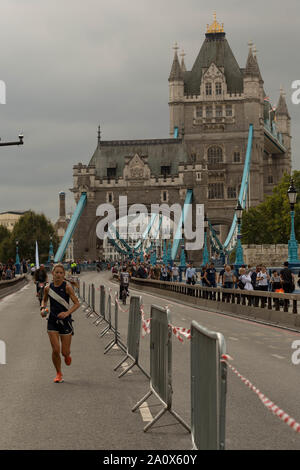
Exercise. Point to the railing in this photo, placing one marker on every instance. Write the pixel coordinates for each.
(10, 286)
(271, 306)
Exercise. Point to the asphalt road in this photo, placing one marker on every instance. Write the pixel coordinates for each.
(92, 408)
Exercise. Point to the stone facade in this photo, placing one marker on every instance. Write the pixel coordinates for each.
(211, 108)
(270, 255)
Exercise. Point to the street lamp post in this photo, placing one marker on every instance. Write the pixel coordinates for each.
(182, 266)
(51, 253)
(18, 264)
(239, 258)
(293, 259)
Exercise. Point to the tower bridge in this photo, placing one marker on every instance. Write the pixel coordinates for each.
(213, 108)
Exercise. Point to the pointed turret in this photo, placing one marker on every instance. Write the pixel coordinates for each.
(282, 109)
(252, 68)
(96, 154)
(183, 67)
(176, 95)
(176, 72)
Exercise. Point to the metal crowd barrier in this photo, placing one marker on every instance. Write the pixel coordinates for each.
(89, 309)
(91, 300)
(116, 341)
(109, 326)
(83, 292)
(133, 336)
(161, 365)
(208, 372)
(101, 315)
(102, 301)
(208, 388)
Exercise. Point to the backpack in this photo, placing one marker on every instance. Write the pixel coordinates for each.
(240, 284)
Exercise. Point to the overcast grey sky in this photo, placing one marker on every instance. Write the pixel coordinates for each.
(70, 64)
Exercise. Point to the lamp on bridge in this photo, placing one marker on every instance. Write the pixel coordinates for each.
(239, 258)
(205, 250)
(182, 266)
(292, 244)
(51, 253)
(18, 264)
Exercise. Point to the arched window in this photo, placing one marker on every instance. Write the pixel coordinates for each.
(214, 155)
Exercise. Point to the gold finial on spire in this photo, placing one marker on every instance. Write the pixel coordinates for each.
(183, 54)
(250, 44)
(255, 51)
(215, 27)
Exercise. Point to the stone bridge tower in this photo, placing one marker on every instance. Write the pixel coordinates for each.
(211, 107)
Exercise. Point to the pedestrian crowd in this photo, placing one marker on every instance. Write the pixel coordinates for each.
(247, 278)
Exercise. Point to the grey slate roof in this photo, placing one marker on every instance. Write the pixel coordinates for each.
(214, 49)
(160, 152)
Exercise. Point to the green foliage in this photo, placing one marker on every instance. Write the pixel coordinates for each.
(270, 222)
(29, 228)
(4, 233)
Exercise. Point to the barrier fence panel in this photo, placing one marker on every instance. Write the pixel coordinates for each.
(208, 388)
(116, 341)
(102, 301)
(89, 309)
(92, 301)
(161, 364)
(108, 320)
(133, 335)
(98, 320)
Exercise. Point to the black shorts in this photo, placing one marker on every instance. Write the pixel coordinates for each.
(61, 326)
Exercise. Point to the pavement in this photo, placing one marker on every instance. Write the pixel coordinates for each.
(92, 408)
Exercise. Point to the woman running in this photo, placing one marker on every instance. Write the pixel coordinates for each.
(60, 320)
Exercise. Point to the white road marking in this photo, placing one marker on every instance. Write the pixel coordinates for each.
(277, 356)
(145, 412)
(232, 338)
(115, 346)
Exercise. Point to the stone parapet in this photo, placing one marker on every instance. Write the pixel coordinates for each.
(270, 255)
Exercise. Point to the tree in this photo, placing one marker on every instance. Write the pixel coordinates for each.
(4, 233)
(31, 227)
(269, 222)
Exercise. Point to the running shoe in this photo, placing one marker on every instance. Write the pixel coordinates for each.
(59, 378)
(68, 360)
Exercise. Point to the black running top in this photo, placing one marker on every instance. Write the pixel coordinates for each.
(55, 306)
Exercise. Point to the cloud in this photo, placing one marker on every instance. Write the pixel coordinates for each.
(69, 65)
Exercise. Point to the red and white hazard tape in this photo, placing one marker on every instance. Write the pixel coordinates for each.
(268, 403)
(177, 331)
(145, 323)
(122, 310)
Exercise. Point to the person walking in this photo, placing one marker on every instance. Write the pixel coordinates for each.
(262, 279)
(245, 278)
(275, 281)
(175, 273)
(59, 325)
(287, 280)
(190, 274)
(210, 276)
(228, 277)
